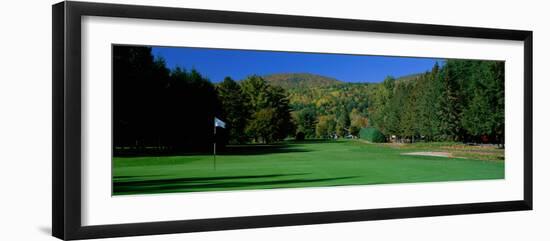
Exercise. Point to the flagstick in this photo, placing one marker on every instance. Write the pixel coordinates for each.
(214, 147)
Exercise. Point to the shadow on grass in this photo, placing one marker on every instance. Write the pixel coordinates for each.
(159, 154)
(195, 179)
(260, 149)
(212, 183)
(134, 176)
(313, 141)
(245, 149)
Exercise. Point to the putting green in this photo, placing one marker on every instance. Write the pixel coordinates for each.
(305, 164)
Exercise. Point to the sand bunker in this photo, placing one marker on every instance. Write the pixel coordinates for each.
(428, 153)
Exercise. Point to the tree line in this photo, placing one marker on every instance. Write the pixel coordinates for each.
(162, 110)
(461, 101)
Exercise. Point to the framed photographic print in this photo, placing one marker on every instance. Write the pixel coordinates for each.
(169, 120)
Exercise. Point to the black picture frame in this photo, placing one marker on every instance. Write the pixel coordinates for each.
(66, 47)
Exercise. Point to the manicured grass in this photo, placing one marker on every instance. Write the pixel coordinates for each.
(307, 164)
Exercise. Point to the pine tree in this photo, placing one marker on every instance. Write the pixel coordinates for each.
(235, 111)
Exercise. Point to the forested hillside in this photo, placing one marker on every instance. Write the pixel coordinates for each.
(300, 80)
(460, 101)
(330, 111)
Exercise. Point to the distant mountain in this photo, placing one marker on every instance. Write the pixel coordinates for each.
(307, 80)
(409, 77)
(300, 80)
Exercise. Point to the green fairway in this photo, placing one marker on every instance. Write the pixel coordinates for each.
(307, 164)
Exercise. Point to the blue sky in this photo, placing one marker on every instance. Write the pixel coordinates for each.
(215, 64)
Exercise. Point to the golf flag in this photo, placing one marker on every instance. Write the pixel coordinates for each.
(219, 123)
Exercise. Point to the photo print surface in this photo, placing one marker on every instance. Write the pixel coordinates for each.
(203, 119)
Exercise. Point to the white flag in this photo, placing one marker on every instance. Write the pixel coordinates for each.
(219, 123)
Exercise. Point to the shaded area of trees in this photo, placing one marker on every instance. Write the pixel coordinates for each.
(461, 101)
(159, 110)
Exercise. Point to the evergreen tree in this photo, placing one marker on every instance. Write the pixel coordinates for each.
(235, 111)
(306, 120)
(448, 104)
(409, 113)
